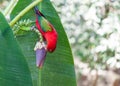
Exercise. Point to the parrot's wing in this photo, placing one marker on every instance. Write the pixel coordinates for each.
(45, 25)
(42, 20)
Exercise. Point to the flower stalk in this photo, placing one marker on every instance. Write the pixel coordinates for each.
(24, 11)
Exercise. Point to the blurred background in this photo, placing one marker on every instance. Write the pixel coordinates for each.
(93, 29)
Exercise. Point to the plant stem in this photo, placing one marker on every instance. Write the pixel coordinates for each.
(39, 78)
(10, 7)
(24, 11)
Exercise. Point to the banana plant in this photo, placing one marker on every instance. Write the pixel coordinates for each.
(21, 62)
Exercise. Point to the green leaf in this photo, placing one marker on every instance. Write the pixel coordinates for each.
(58, 69)
(19, 7)
(14, 70)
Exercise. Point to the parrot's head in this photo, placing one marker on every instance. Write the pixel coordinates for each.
(51, 39)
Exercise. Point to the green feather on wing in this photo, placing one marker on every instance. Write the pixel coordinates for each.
(44, 24)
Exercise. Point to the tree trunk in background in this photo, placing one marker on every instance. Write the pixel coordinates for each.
(96, 79)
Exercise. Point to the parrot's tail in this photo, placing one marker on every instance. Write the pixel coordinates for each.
(38, 12)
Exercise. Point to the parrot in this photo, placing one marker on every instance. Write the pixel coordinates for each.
(47, 30)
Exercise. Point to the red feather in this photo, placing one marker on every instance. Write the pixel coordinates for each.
(51, 38)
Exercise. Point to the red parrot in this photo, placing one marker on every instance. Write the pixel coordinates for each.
(47, 30)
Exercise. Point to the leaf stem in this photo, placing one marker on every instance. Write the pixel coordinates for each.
(24, 11)
(10, 7)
